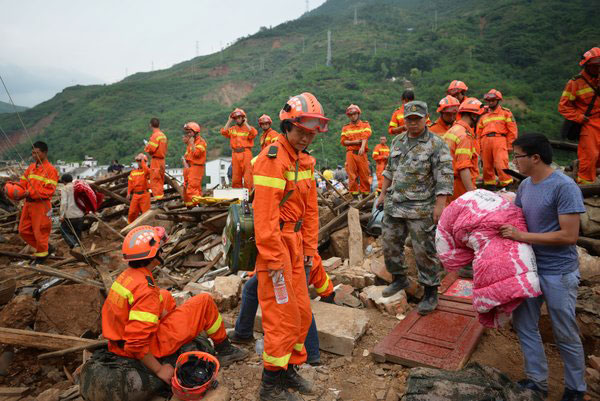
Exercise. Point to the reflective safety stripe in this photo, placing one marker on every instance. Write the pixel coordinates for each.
(41, 254)
(161, 138)
(271, 182)
(490, 119)
(463, 151)
(153, 143)
(136, 173)
(452, 137)
(23, 177)
(281, 362)
(298, 347)
(583, 181)
(324, 286)
(375, 153)
(43, 179)
(238, 133)
(302, 175)
(583, 91)
(196, 199)
(506, 182)
(158, 196)
(568, 95)
(216, 325)
(200, 147)
(354, 192)
(253, 160)
(143, 316)
(356, 131)
(160, 297)
(393, 124)
(400, 117)
(489, 182)
(122, 291)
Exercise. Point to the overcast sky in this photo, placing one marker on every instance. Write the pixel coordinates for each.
(46, 46)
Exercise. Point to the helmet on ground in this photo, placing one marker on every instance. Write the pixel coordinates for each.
(192, 126)
(592, 55)
(493, 94)
(195, 373)
(237, 113)
(456, 86)
(449, 104)
(143, 242)
(265, 119)
(471, 105)
(14, 190)
(353, 109)
(305, 111)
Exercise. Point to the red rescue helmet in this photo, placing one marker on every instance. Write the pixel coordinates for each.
(591, 56)
(189, 362)
(493, 94)
(237, 113)
(192, 126)
(456, 86)
(265, 119)
(14, 190)
(449, 104)
(353, 109)
(305, 111)
(471, 105)
(143, 242)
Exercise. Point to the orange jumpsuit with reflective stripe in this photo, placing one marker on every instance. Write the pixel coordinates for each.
(282, 244)
(197, 166)
(573, 104)
(157, 148)
(137, 187)
(36, 223)
(381, 153)
(357, 166)
(187, 199)
(461, 140)
(241, 140)
(397, 120)
(439, 127)
(319, 278)
(268, 138)
(139, 318)
(497, 130)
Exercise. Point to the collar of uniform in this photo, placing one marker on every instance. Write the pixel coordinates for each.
(441, 122)
(466, 126)
(424, 137)
(588, 77)
(289, 148)
(42, 164)
(358, 122)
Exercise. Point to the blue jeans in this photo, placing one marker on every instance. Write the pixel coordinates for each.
(244, 325)
(560, 294)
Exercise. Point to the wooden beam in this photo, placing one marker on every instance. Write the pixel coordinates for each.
(563, 145)
(109, 193)
(147, 215)
(590, 190)
(113, 178)
(591, 244)
(174, 184)
(93, 345)
(330, 185)
(36, 339)
(205, 270)
(105, 224)
(355, 240)
(67, 276)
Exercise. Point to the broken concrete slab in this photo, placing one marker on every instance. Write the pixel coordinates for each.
(226, 292)
(339, 327)
(332, 263)
(358, 277)
(355, 238)
(395, 305)
(19, 313)
(378, 269)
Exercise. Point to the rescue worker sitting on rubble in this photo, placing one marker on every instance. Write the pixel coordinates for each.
(141, 321)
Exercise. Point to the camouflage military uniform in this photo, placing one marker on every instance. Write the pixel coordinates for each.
(420, 169)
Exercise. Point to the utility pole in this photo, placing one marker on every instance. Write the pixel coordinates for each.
(355, 15)
(328, 63)
(307, 6)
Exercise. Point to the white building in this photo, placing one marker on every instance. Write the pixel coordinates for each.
(176, 173)
(89, 161)
(216, 173)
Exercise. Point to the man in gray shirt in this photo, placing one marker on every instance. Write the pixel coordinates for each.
(71, 216)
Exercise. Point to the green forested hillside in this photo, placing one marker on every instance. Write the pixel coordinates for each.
(526, 49)
(8, 108)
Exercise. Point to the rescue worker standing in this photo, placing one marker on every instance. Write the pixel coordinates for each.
(576, 105)
(497, 130)
(448, 107)
(197, 153)
(396, 125)
(381, 153)
(137, 188)
(186, 159)
(241, 139)
(269, 135)
(141, 321)
(39, 181)
(157, 149)
(417, 181)
(355, 137)
(458, 89)
(286, 227)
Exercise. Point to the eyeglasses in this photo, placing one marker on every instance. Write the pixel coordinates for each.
(515, 156)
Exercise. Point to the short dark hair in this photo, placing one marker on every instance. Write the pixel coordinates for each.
(286, 126)
(137, 264)
(535, 144)
(154, 123)
(43, 146)
(408, 95)
(66, 178)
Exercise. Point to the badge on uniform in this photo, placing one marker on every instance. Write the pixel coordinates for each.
(413, 108)
(150, 281)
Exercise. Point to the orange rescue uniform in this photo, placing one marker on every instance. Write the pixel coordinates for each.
(285, 232)
(139, 318)
(189, 148)
(36, 223)
(157, 148)
(461, 140)
(268, 138)
(137, 187)
(319, 278)
(497, 130)
(197, 166)
(573, 104)
(357, 166)
(439, 127)
(397, 120)
(241, 140)
(381, 153)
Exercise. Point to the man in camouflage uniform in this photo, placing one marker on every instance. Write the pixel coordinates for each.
(417, 179)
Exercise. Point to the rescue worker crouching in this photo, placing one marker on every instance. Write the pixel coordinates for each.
(269, 135)
(355, 137)
(241, 139)
(137, 188)
(197, 161)
(286, 227)
(141, 321)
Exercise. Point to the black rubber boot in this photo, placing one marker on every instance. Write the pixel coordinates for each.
(572, 395)
(330, 299)
(273, 389)
(228, 354)
(235, 338)
(400, 282)
(429, 301)
(296, 382)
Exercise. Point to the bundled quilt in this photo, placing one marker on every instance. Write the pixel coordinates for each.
(86, 198)
(505, 271)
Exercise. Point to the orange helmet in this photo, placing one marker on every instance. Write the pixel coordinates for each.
(304, 110)
(193, 387)
(192, 126)
(471, 105)
(353, 109)
(265, 119)
(493, 94)
(237, 113)
(143, 242)
(593, 53)
(456, 86)
(14, 190)
(140, 157)
(449, 104)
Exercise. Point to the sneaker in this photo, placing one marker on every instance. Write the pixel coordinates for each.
(531, 385)
(572, 395)
(235, 338)
(228, 354)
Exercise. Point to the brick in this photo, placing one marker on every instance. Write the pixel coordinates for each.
(594, 362)
(332, 263)
(225, 290)
(357, 276)
(378, 269)
(394, 305)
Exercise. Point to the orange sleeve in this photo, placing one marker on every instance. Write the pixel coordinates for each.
(366, 134)
(199, 149)
(45, 189)
(567, 106)
(342, 138)
(511, 125)
(130, 183)
(463, 154)
(252, 134)
(24, 181)
(269, 186)
(143, 322)
(319, 278)
(393, 123)
(152, 145)
(310, 225)
(225, 133)
(167, 302)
